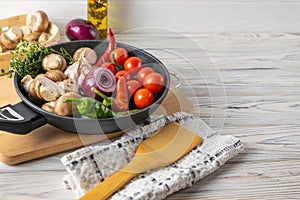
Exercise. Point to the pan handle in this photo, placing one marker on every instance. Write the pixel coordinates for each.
(19, 119)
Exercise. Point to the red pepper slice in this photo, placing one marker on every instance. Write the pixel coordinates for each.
(111, 46)
(121, 101)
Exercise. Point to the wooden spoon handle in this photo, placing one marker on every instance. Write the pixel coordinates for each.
(109, 186)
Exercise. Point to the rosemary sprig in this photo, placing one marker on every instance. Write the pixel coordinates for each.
(27, 58)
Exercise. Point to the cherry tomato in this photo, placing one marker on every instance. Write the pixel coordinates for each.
(143, 98)
(111, 66)
(154, 82)
(126, 75)
(143, 73)
(133, 86)
(133, 65)
(118, 55)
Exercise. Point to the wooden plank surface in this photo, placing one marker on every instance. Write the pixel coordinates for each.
(249, 88)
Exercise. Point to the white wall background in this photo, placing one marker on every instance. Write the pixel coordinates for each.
(184, 16)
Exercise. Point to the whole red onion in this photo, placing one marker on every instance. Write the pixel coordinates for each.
(81, 29)
(100, 78)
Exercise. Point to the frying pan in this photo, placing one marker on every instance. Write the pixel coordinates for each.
(26, 116)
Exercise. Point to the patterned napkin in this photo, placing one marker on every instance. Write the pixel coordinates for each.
(89, 166)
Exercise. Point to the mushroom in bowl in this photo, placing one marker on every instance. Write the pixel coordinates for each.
(109, 104)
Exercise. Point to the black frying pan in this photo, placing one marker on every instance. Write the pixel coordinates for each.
(26, 116)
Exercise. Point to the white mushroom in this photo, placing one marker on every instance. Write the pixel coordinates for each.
(44, 37)
(49, 106)
(49, 91)
(86, 52)
(26, 30)
(33, 36)
(38, 21)
(55, 75)
(69, 85)
(8, 43)
(14, 33)
(65, 108)
(54, 61)
(26, 81)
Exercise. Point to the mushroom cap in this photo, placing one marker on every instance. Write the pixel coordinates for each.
(55, 75)
(7, 43)
(26, 82)
(44, 37)
(42, 21)
(33, 36)
(65, 108)
(49, 106)
(54, 61)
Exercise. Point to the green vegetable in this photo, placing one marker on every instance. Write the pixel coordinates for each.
(27, 58)
(107, 101)
(91, 108)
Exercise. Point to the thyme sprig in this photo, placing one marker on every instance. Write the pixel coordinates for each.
(27, 58)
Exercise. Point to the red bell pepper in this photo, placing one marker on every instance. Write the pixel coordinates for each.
(121, 101)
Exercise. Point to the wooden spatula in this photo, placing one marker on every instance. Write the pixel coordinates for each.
(162, 149)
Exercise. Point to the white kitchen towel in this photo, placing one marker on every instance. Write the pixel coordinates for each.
(89, 166)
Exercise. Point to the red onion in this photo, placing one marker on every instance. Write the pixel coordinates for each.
(81, 29)
(100, 78)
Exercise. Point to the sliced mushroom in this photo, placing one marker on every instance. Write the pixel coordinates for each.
(65, 108)
(34, 36)
(8, 43)
(2, 48)
(69, 85)
(54, 61)
(49, 106)
(73, 71)
(55, 75)
(49, 90)
(86, 52)
(26, 81)
(26, 30)
(14, 33)
(44, 37)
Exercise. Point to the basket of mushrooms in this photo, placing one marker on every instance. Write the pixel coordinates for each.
(26, 27)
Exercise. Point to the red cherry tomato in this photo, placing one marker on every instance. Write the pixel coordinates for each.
(133, 65)
(143, 98)
(143, 73)
(154, 82)
(118, 55)
(111, 66)
(133, 86)
(126, 75)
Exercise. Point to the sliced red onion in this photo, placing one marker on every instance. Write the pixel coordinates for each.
(100, 78)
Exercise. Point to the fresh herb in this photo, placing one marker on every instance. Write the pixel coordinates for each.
(27, 58)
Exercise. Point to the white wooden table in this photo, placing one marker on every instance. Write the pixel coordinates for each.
(246, 85)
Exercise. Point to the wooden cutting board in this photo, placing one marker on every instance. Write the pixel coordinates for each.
(48, 140)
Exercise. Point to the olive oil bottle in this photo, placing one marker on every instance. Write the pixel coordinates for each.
(97, 15)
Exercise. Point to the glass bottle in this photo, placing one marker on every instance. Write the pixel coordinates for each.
(97, 15)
